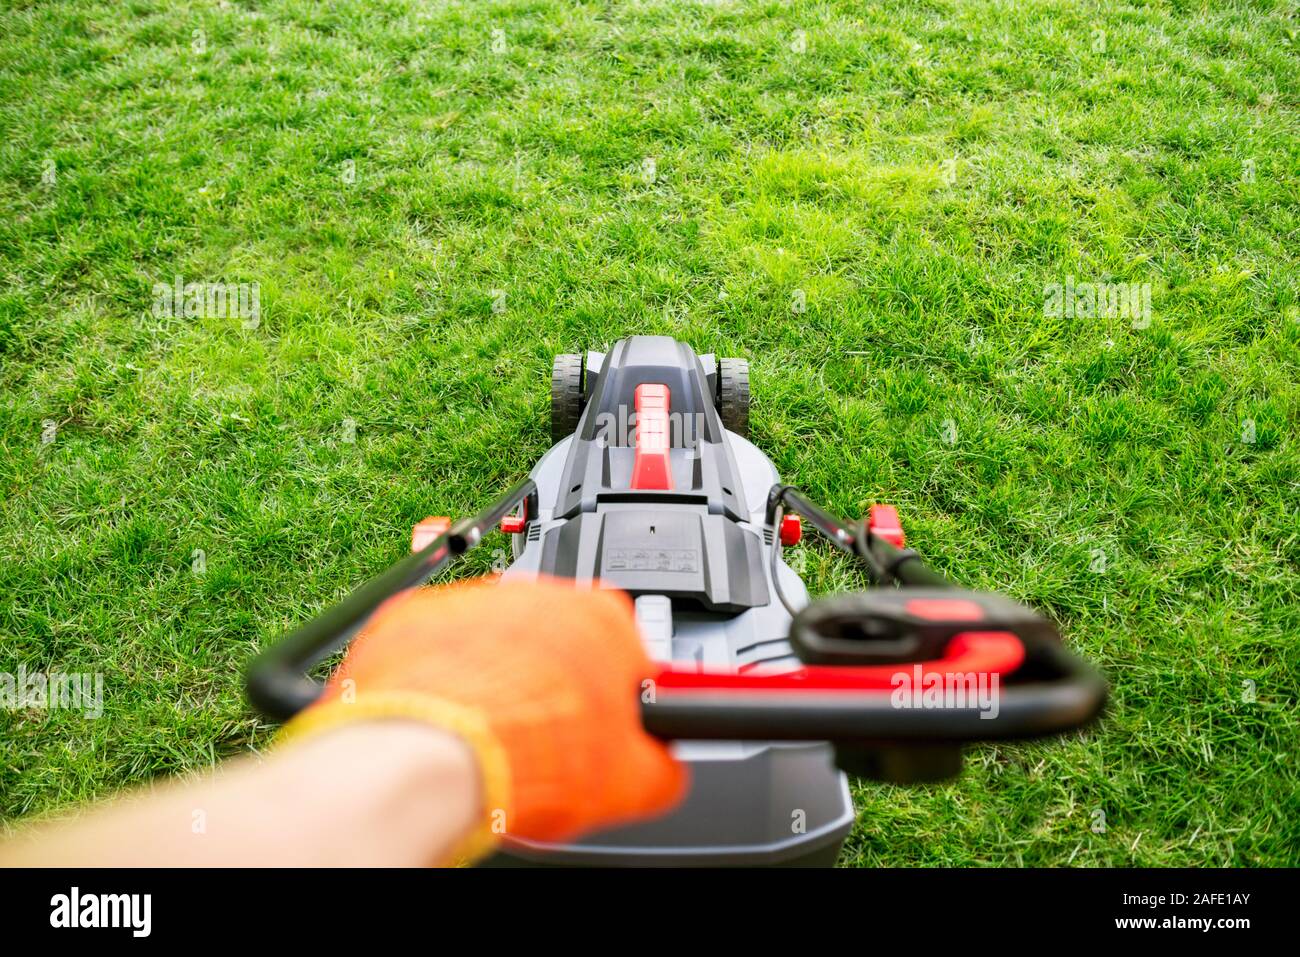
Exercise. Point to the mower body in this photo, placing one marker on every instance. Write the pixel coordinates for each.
(652, 495)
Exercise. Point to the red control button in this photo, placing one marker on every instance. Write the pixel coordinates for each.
(883, 523)
(427, 530)
(945, 609)
(515, 524)
(791, 529)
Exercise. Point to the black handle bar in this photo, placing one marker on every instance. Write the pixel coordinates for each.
(278, 682)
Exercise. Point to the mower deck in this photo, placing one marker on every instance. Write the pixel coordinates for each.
(690, 549)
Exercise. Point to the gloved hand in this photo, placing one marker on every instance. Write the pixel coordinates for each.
(541, 679)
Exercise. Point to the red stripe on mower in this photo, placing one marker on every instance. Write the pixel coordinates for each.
(652, 469)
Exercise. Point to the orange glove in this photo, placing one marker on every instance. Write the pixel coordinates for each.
(542, 680)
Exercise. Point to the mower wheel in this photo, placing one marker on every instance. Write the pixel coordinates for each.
(733, 395)
(567, 397)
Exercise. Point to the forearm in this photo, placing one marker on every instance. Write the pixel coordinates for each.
(377, 793)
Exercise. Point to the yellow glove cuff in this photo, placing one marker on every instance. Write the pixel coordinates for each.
(465, 723)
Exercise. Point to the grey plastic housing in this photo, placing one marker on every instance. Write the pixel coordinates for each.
(697, 562)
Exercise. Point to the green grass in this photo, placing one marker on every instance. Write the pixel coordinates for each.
(1108, 142)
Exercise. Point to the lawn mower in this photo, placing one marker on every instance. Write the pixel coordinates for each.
(652, 487)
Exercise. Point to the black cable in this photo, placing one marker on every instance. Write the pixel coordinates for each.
(878, 574)
(776, 558)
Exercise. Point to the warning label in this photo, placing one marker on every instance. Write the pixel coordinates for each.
(652, 560)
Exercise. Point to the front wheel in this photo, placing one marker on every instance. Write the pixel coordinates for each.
(733, 395)
(567, 395)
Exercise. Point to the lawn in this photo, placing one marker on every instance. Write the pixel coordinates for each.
(870, 202)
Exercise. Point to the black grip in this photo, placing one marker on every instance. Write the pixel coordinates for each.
(905, 624)
(1054, 691)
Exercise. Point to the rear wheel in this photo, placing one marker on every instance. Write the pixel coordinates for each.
(567, 396)
(733, 395)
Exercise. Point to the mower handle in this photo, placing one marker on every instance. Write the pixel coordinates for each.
(1052, 690)
(278, 681)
